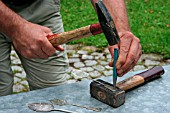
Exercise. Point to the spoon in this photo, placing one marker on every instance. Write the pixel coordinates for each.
(64, 102)
(46, 107)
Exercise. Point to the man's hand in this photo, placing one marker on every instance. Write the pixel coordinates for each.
(30, 40)
(129, 52)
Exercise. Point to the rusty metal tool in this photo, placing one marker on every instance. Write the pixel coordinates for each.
(115, 97)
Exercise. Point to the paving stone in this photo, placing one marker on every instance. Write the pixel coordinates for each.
(108, 67)
(82, 52)
(23, 73)
(108, 73)
(87, 57)
(89, 48)
(90, 62)
(75, 56)
(16, 61)
(18, 88)
(106, 51)
(78, 74)
(17, 68)
(67, 76)
(109, 56)
(13, 53)
(71, 51)
(152, 57)
(24, 82)
(103, 63)
(79, 64)
(70, 69)
(99, 68)
(73, 60)
(16, 79)
(97, 54)
(96, 57)
(102, 58)
(72, 47)
(87, 69)
(13, 58)
(167, 62)
(138, 67)
(95, 74)
(151, 62)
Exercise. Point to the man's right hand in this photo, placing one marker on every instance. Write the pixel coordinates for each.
(30, 40)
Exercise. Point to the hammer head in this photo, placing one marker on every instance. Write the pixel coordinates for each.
(106, 93)
(107, 24)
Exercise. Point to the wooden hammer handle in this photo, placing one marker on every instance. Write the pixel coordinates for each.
(141, 78)
(61, 38)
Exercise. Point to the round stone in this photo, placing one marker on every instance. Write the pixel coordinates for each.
(94, 74)
(17, 68)
(87, 57)
(108, 73)
(78, 74)
(79, 64)
(73, 60)
(18, 88)
(16, 61)
(90, 62)
(87, 69)
(82, 52)
(99, 68)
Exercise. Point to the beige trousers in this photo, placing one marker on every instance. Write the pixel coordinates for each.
(40, 73)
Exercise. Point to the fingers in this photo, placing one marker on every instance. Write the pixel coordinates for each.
(111, 49)
(125, 43)
(129, 58)
(129, 53)
(59, 48)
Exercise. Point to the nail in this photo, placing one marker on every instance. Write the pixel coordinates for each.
(120, 72)
(119, 66)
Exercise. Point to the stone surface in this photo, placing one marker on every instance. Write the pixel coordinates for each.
(16, 61)
(90, 62)
(152, 97)
(95, 74)
(81, 52)
(139, 67)
(78, 74)
(87, 57)
(151, 62)
(17, 68)
(79, 65)
(108, 73)
(99, 68)
(73, 60)
(18, 88)
(87, 69)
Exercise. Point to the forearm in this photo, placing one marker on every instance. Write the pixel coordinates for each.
(117, 9)
(9, 21)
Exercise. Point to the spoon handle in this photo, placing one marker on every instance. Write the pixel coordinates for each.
(62, 110)
(87, 107)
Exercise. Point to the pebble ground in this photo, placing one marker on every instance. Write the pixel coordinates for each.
(85, 63)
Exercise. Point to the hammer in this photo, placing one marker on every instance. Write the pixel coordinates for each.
(115, 97)
(106, 25)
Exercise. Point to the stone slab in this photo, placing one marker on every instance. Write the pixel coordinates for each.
(152, 97)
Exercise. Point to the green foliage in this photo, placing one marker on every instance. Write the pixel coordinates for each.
(149, 21)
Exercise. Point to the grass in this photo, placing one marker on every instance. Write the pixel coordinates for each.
(149, 21)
